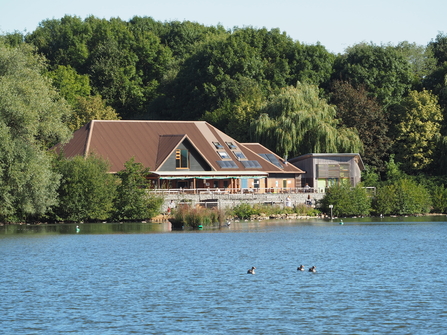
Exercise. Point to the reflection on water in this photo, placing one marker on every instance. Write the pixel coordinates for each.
(373, 277)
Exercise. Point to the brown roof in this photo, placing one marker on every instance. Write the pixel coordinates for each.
(152, 142)
(261, 150)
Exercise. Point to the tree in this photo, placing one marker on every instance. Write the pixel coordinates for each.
(32, 118)
(347, 200)
(439, 48)
(234, 117)
(70, 84)
(296, 121)
(90, 108)
(417, 125)
(87, 190)
(384, 72)
(420, 58)
(124, 65)
(355, 109)
(133, 201)
(206, 81)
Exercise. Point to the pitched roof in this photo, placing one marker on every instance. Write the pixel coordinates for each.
(272, 158)
(152, 142)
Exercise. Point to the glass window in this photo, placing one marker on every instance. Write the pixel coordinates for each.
(218, 145)
(224, 155)
(239, 155)
(231, 145)
(182, 159)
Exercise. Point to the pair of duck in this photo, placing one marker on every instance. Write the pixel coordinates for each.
(312, 269)
(300, 268)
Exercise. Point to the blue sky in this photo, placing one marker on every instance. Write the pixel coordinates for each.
(335, 24)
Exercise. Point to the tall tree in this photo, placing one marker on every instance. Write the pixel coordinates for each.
(32, 118)
(420, 58)
(273, 60)
(88, 109)
(439, 48)
(297, 121)
(356, 109)
(385, 73)
(417, 124)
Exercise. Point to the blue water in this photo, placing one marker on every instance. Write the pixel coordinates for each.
(373, 278)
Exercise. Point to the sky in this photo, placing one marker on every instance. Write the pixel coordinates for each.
(334, 24)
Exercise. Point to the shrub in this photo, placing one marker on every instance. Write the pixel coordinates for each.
(346, 201)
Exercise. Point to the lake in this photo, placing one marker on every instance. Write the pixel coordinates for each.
(373, 277)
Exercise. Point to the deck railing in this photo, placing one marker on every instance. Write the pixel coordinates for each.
(218, 191)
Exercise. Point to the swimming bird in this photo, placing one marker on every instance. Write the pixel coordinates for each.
(300, 268)
(313, 269)
(252, 270)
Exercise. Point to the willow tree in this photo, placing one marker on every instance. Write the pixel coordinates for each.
(32, 116)
(297, 121)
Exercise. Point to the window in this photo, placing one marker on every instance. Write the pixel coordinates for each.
(251, 164)
(227, 164)
(218, 145)
(181, 159)
(231, 145)
(224, 155)
(239, 155)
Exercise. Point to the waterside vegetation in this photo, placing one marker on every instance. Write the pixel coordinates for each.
(387, 102)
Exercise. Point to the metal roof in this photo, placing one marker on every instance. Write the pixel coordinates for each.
(152, 142)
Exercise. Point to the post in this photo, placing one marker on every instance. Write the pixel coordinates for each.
(331, 206)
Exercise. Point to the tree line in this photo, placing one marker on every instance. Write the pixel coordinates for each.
(254, 84)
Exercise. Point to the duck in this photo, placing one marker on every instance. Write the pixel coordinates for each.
(252, 270)
(313, 269)
(300, 268)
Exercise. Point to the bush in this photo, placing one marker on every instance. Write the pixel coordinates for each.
(439, 199)
(87, 190)
(346, 201)
(402, 197)
(133, 201)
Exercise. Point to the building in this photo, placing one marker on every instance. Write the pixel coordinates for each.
(187, 155)
(326, 169)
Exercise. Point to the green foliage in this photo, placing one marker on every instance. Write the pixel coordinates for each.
(125, 66)
(70, 84)
(87, 190)
(29, 106)
(31, 120)
(439, 199)
(417, 128)
(296, 121)
(420, 58)
(439, 48)
(133, 201)
(27, 183)
(246, 211)
(385, 72)
(88, 109)
(212, 75)
(357, 110)
(402, 197)
(346, 201)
